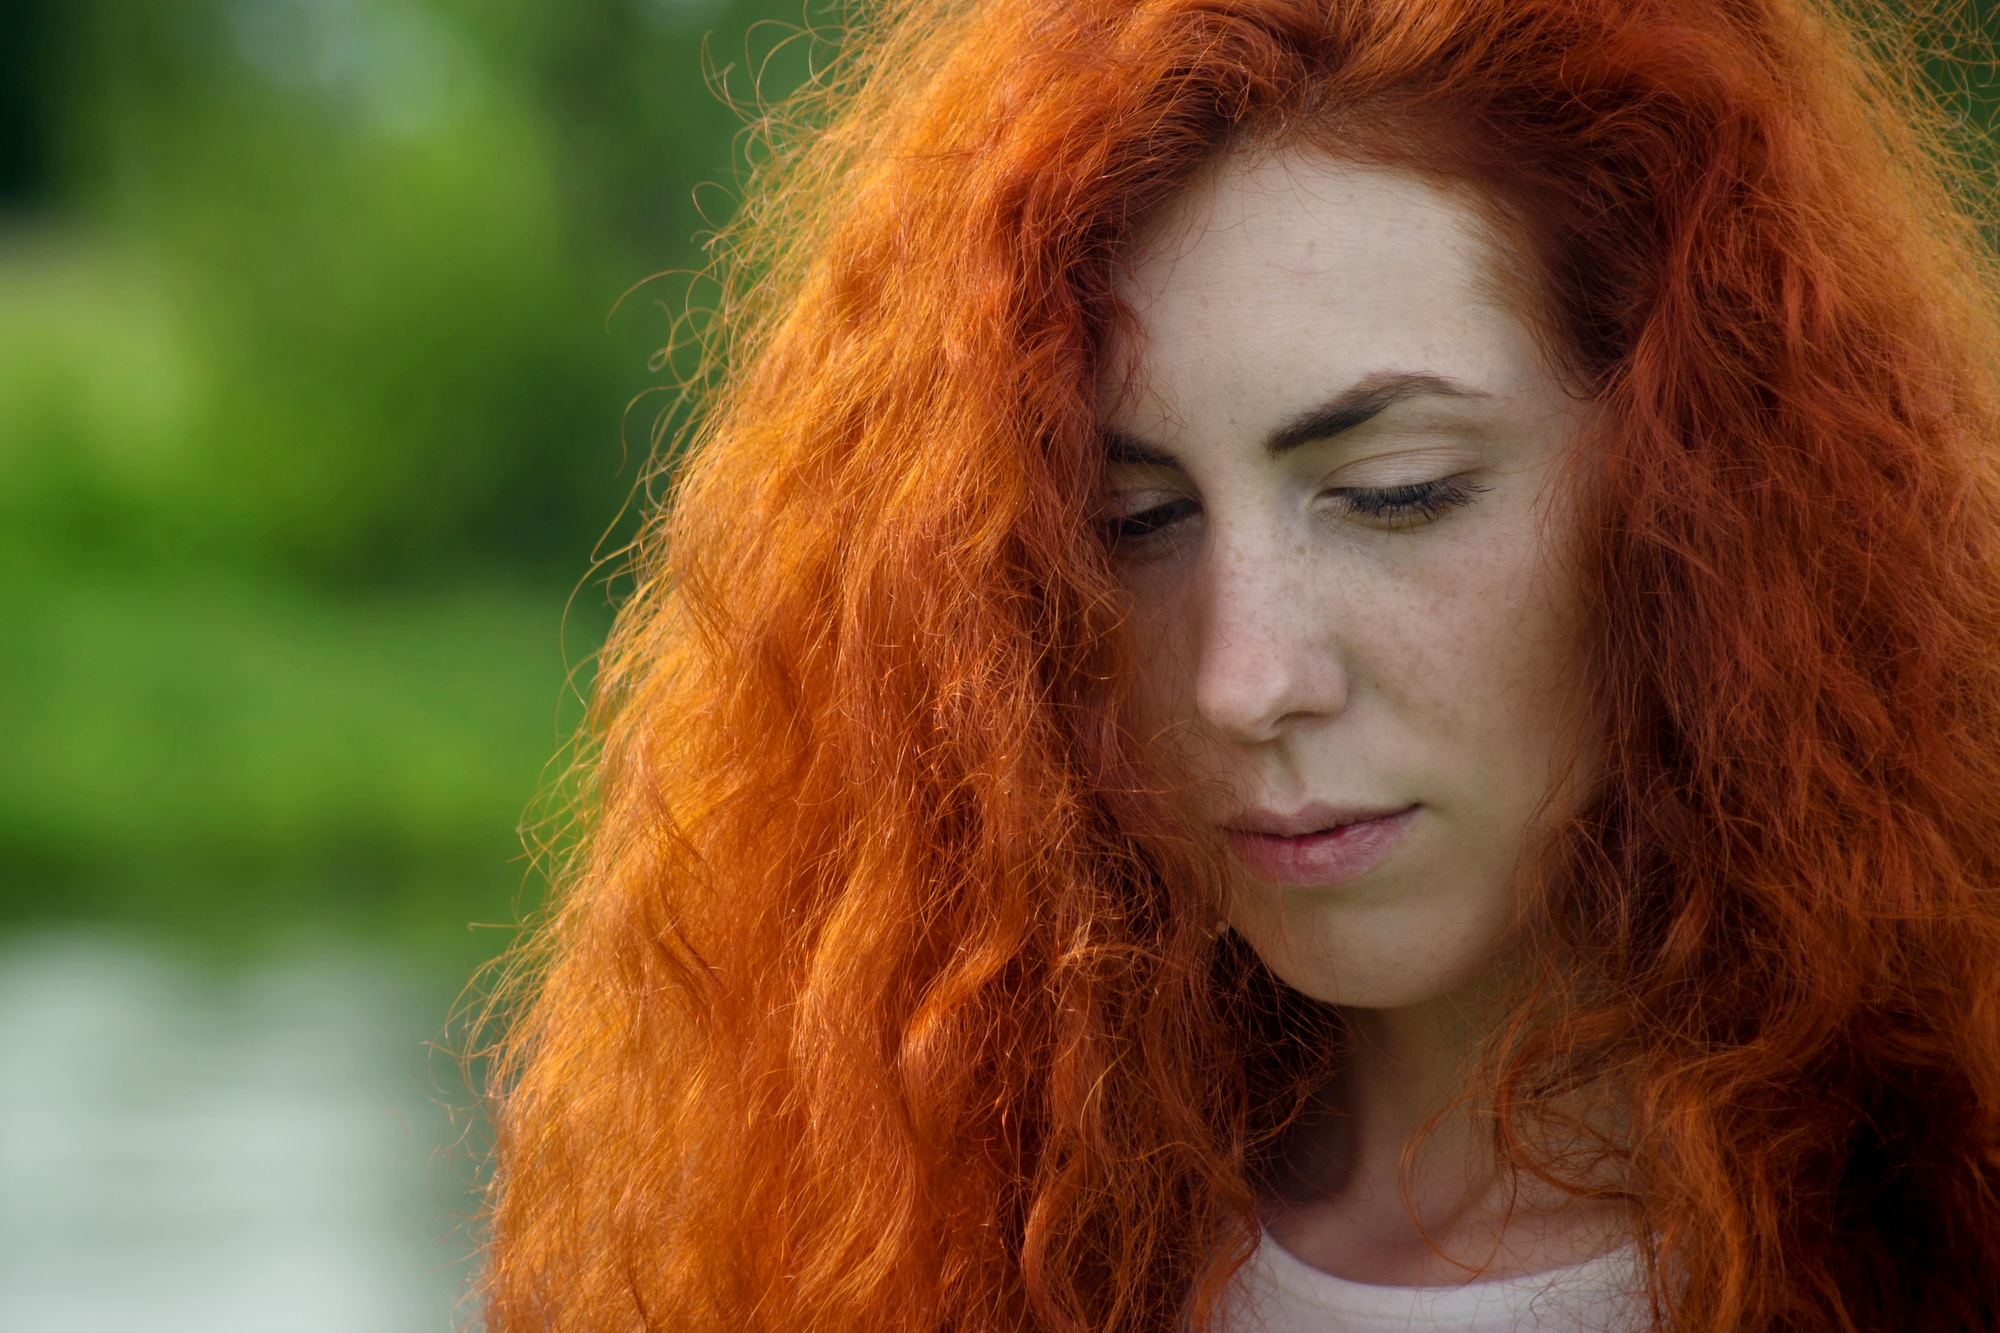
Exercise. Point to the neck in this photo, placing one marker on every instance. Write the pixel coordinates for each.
(1407, 1065)
(1403, 1073)
(1402, 1087)
(1354, 1201)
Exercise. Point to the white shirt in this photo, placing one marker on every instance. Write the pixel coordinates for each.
(1276, 1293)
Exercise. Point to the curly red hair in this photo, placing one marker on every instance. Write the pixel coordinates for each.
(883, 996)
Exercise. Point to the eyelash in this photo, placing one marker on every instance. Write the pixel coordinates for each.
(1133, 528)
(1418, 502)
(1405, 506)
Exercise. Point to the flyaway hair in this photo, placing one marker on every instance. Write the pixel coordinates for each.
(882, 994)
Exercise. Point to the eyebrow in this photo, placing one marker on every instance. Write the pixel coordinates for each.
(1359, 403)
(1362, 402)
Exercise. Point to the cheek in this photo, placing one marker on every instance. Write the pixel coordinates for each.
(1494, 687)
(1190, 765)
(1161, 647)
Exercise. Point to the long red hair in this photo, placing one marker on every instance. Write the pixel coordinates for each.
(882, 995)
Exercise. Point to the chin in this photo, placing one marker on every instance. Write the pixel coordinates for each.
(1374, 985)
(1397, 992)
(1377, 975)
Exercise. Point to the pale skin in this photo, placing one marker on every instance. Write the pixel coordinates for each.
(1336, 453)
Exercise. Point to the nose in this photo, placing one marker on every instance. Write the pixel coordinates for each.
(1269, 658)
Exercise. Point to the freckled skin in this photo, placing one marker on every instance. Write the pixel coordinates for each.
(1293, 651)
(1376, 619)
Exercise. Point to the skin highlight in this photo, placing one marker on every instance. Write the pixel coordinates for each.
(1334, 502)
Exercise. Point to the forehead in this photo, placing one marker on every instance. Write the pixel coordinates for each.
(1282, 275)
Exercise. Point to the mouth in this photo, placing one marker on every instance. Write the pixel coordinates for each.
(1316, 846)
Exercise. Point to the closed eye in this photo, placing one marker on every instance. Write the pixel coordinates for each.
(1133, 529)
(1410, 505)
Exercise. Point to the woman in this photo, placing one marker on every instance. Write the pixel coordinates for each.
(1328, 664)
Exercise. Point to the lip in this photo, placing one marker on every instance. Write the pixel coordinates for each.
(1317, 845)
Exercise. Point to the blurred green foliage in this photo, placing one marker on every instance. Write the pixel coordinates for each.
(316, 396)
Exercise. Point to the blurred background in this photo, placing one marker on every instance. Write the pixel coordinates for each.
(317, 394)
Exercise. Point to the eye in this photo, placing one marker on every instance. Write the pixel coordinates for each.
(1136, 529)
(1410, 505)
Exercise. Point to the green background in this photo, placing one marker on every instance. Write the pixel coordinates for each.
(318, 398)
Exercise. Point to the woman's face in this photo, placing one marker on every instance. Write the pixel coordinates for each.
(1334, 453)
